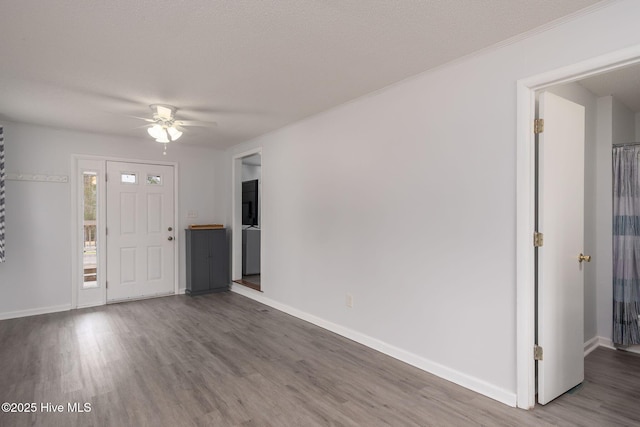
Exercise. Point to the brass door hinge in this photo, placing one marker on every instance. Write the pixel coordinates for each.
(538, 239)
(537, 352)
(538, 126)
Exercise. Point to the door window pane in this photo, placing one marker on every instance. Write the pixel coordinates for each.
(128, 178)
(154, 179)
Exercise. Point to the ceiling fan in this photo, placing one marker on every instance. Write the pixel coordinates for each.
(165, 128)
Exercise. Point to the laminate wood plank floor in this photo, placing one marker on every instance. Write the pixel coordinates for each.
(226, 360)
(254, 278)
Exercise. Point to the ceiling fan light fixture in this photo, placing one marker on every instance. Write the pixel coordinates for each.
(164, 139)
(174, 133)
(156, 131)
(164, 129)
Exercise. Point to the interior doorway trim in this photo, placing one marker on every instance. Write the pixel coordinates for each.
(76, 169)
(236, 213)
(525, 174)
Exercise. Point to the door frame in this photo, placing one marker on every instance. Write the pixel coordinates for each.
(236, 213)
(525, 203)
(76, 194)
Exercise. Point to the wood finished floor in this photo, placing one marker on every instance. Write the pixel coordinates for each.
(225, 360)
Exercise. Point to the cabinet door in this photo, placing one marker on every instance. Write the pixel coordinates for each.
(220, 260)
(200, 259)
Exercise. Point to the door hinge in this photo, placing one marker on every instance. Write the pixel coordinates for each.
(538, 126)
(105, 178)
(106, 284)
(537, 352)
(106, 231)
(538, 239)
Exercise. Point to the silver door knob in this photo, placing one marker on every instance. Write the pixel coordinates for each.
(170, 238)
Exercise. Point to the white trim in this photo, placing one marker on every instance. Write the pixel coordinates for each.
(236, 218)
(606, 342)
(472, 383)
(34, 311)
(525, 316)
(75, 247)
(176, 230)
(591, 345)
(596, 342)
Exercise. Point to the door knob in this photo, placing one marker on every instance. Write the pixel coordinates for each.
(584, 258)
(170, 238)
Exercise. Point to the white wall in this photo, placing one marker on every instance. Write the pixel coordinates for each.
(406, 198)
(578, 94)
(37, 274)
(624, 123)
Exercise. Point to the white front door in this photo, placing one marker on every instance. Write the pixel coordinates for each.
(140, 230)
(560, 272)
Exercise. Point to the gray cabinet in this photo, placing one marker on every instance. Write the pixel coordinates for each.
(207, 261)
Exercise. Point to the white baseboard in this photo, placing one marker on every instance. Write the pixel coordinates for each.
(475, 384)
(606, 342)
(34, 311)
(596, 342)
(591, 345)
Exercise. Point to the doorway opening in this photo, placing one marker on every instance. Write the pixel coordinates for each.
(526, 168)
(247, 219)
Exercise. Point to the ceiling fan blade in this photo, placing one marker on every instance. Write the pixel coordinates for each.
(197, 123)
(141, 127)
(146, 119)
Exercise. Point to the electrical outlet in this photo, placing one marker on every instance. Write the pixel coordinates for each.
(349, 301)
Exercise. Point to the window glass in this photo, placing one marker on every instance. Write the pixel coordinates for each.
(154, 179)
(89, 250)
(128, 178)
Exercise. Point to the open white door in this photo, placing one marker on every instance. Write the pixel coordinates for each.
(560, 270)
(140, 230)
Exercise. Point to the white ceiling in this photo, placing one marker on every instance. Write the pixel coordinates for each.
(251, 65)
(623, 84)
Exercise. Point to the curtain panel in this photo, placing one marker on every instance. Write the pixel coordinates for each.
(2, 175)
(626, 245)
